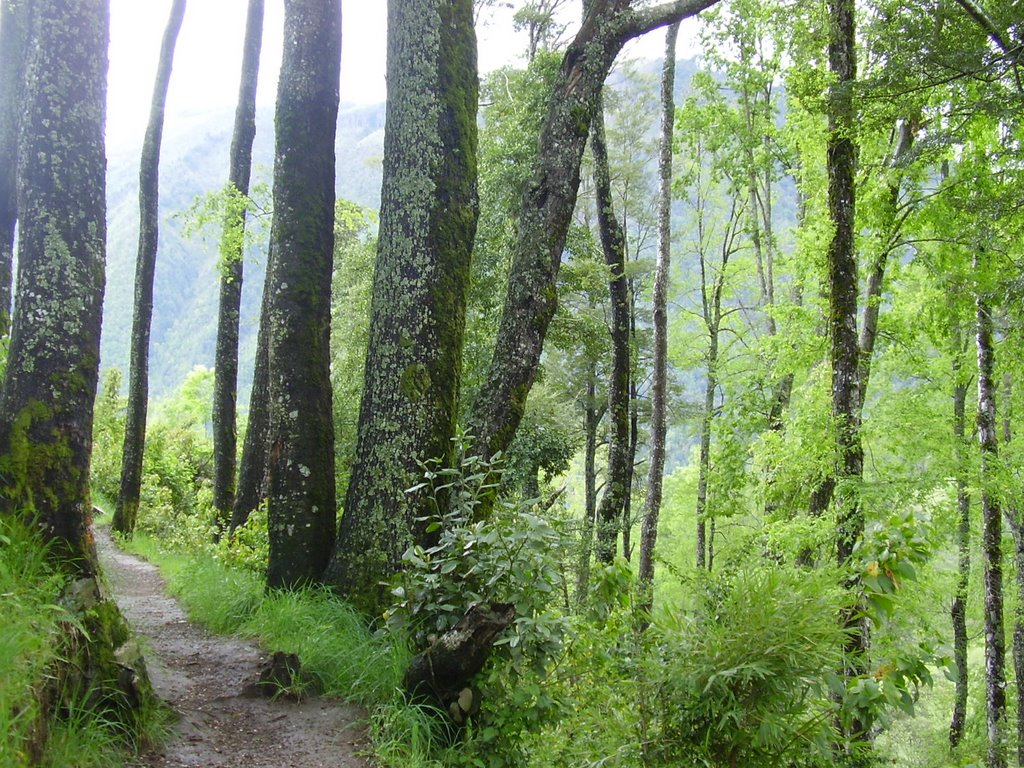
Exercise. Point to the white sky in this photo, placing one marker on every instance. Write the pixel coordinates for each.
(208, 56)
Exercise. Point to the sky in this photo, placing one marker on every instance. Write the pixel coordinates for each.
(208, 56)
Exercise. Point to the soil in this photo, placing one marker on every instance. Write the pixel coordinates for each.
(203, 678)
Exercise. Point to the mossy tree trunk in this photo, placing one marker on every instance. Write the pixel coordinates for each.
(253, 468)
(13, 32)
(225, 376)
(427, 225)
(841, 148)
(47, 403)
(659, 373)
(301, 503)
(991, 531)
(613, 244)
(547, 207)
(958, 611)
(127, 507)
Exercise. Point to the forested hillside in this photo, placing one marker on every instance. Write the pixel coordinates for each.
(194, 163)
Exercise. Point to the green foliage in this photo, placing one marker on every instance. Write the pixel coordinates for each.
(508, 558)
(739, 679)
(41, 721)
(239, 222)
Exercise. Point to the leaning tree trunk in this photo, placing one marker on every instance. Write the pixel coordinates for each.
(301, 504)
(613, 243)
(225, 372)
(710, 385)
(127, 507)
(546, 211)
(1015, 520)
(13, 32)
(427, 225)
(988, 438)
(958, 611)
(659, 374)
(46, 410)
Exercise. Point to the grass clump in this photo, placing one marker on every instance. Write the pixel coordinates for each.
(42, 720)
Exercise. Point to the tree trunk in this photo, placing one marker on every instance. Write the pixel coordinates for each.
(710, 385)
(842, 294)
(428, 221)
(127, 507)
(995, 651)
(225, 375)
(301, 503)
(659, 375)
(46, 410)
(13, 32)
(254, 467)
(613, 243)
(593, 416)
(958, 611)
(546, 211)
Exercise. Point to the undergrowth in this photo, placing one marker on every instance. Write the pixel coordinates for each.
(40, 725)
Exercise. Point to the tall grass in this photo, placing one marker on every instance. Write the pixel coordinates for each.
(36, 725)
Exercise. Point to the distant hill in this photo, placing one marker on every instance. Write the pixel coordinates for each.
(194, 161)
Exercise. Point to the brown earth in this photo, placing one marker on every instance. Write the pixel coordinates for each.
(202, 677)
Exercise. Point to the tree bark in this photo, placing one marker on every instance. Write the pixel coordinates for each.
(613, 244)
(46, 409)
(988, 438)
(225, 372)
(592, 420)
(127, 506)
(547, 207)
(659, 375)
(958, 611)
(13, 38)
(301, 503)
(254, 467)
(428, 221)
(842, 295)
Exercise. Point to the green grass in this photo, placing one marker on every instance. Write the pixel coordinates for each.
(338, 650)
(33, 728)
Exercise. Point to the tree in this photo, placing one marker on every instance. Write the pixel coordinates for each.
(127, 508)
(427, 224)
(301, 503)
(47, 402)
(659, 376)
(613, 244)
(13, 31)
(226, 365)
(546, 210)
(991, 530)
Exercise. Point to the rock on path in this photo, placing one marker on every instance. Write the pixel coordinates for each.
(202, 677)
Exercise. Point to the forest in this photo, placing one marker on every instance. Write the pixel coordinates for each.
(644, 414)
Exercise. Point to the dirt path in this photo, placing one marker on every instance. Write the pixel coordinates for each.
(202, 676)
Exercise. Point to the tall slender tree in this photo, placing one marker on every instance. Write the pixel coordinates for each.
(659, 375)
(958, 610)
(427, 224)
(13, 38)
(47, 402)
(991, 527)
(301, 503)
(225, 372)
(127, 507)
(613, 244)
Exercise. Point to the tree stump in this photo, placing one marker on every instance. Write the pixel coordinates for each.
(442, 673)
